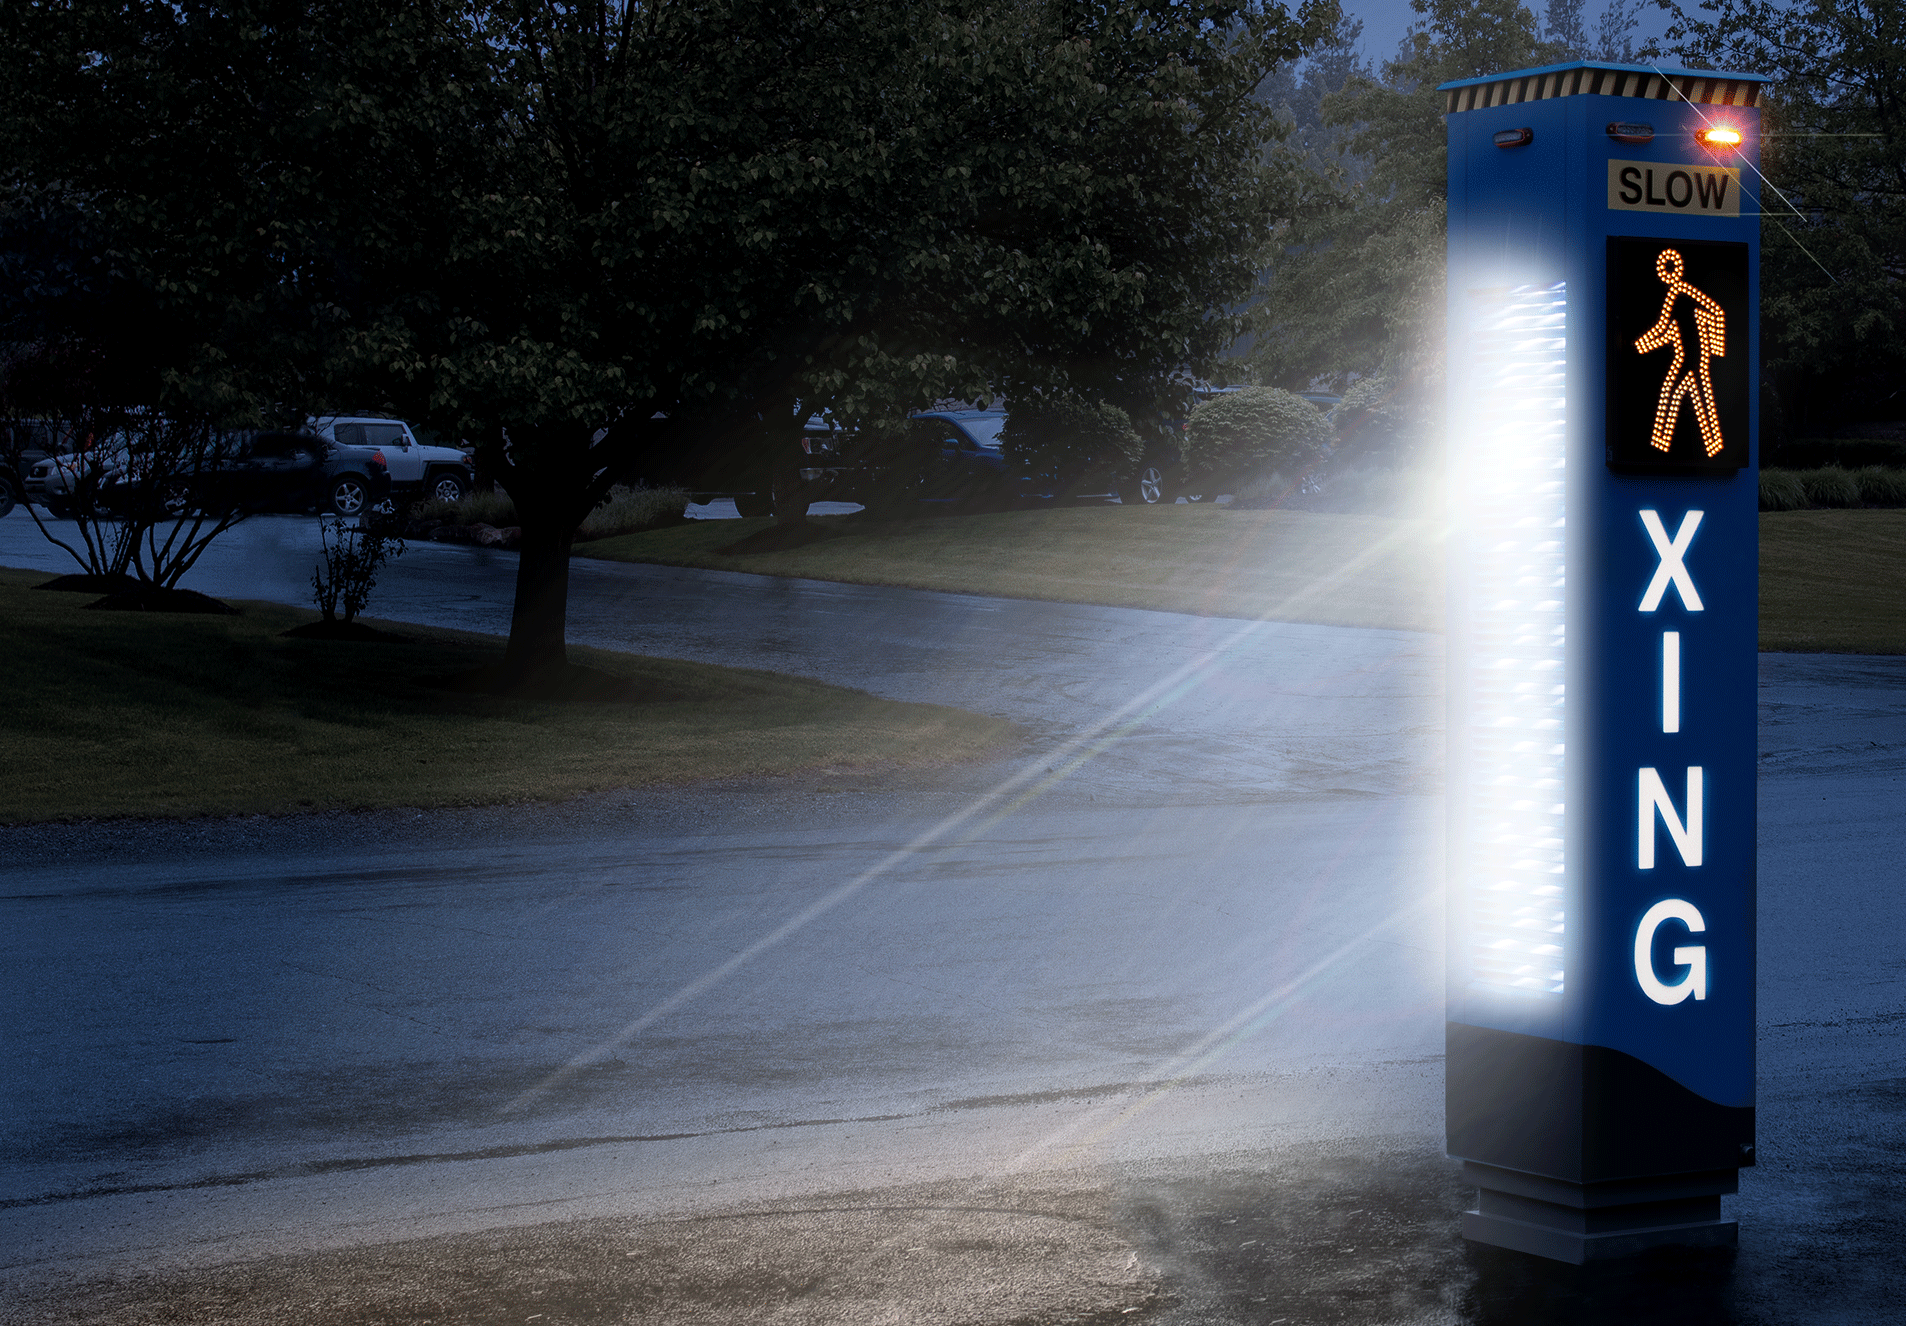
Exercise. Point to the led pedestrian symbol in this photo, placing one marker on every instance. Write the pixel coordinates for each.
(1691, 383)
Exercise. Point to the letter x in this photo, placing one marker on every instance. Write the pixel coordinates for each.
(1671, 571)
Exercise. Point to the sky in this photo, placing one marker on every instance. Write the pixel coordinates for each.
(1385, 21)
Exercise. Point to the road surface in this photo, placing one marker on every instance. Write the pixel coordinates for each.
(1142, 1024)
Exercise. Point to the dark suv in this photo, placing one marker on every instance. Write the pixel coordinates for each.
(276, 471)
(265, 471)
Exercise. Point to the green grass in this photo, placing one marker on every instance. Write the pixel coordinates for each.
(1287, 565)
(115, 713)
(1830, 580)
(1833, 581)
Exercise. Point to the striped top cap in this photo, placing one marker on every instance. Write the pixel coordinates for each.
(1603, 80)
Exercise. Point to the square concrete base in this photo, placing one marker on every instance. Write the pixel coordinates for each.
(1578, 1223)
(1578, 1247)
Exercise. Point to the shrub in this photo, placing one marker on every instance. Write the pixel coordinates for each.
(496, 508)
(629, 510)
(1830, 487)
(1069, 442)
(1378, 423)
(1881, 486)
(348, 573)
(1781, 490)
(1248, 435)
(626, 510)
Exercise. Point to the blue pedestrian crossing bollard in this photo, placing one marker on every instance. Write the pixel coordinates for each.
(1603, 337)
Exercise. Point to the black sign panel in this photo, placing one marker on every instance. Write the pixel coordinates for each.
(1677, 354)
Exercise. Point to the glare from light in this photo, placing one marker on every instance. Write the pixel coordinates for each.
(1516, 513)
(1721, 135)
(984, 811)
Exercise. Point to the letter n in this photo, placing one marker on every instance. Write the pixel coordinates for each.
(1686, 834)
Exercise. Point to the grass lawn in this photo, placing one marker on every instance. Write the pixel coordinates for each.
(1285, 565)
(1833, 581)
(125, 713)
(1830, 580)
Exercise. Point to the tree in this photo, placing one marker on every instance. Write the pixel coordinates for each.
(597, 236)
(172, 175)
(705, 221)
(77, 359)
(1833, 242)
(1355, 284)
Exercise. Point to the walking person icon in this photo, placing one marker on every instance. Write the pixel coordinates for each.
(1685, 382)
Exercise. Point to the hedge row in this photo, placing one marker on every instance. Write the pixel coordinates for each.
(1831, 486)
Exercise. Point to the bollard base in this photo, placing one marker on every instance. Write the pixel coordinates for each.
(1585, 1222)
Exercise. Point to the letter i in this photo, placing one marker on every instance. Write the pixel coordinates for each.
(1671, 681)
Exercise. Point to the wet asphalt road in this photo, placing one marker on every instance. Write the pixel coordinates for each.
(1144, 1023)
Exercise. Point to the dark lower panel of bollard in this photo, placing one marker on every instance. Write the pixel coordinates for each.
(1583, 1113)
(1584, 1153)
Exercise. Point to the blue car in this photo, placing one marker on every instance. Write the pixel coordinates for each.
(970, 467)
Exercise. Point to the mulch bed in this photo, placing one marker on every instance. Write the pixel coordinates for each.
(91, 584)
(342, 630)
(154, 598)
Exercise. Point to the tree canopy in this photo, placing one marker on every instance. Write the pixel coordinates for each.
(1355, 283)
(595, 236)
(1833, 243)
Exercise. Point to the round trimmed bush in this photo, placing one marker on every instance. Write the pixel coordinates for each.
(1234, 439)
(1069, 444)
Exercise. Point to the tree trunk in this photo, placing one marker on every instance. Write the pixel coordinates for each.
(539, 620)
(790, 498)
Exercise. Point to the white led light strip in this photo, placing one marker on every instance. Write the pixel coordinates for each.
(1516, 497)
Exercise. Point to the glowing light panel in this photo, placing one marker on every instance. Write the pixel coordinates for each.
(1515, 493)
(1696, 385)
(1677, 355)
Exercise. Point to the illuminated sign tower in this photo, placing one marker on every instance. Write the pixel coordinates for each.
(1603, 279)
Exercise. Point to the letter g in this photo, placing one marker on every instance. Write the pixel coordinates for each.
(1693, 958)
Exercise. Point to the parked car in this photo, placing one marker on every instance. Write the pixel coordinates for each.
(417, 470)
(286, 471)
(24, 443)
(946, 457)
(63, 481)
(259, 471)
(971, 467)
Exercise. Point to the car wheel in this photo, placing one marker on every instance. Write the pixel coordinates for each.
(347, 495)
(1151, 487)
(448, 488)
(755, 504)
(8, 499)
